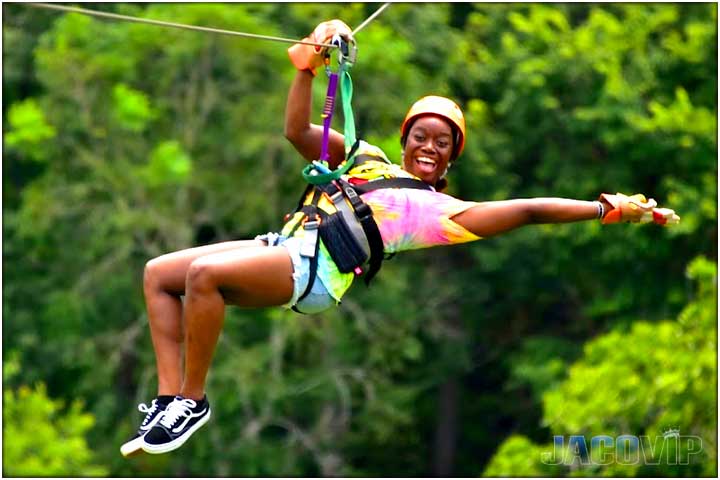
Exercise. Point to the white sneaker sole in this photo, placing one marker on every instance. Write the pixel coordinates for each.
(132, 447)
(178, 442)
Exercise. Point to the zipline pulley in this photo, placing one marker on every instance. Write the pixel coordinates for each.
(347, 52)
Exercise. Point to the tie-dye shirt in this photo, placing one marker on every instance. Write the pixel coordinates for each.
(411, 219)
(408, 219)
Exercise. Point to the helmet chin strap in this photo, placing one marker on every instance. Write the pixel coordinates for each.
(446, 171)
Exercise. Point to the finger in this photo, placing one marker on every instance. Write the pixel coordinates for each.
(643, 205)
(665, 216)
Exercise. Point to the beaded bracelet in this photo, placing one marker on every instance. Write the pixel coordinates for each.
(601, 210)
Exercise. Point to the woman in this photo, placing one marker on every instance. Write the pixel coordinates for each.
(272, 270)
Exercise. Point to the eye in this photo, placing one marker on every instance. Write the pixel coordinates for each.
(443, 144)
(418, 137)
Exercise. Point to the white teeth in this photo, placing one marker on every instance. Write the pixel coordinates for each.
(426, 160)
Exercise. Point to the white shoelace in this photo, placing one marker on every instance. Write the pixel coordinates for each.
(177, 409)
(148, 410)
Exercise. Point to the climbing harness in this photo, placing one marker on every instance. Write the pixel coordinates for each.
(349, 233)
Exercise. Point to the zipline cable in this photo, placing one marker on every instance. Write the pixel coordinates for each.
(116, 16)
(371, 18)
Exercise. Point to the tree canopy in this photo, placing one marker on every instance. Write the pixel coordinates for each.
(124, 141)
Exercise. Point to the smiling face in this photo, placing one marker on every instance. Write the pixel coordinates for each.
(428, 148)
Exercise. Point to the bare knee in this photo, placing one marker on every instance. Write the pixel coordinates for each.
(201, 277)
(153, 277)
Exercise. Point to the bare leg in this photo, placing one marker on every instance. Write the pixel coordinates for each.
(248, 277)
(164, 282)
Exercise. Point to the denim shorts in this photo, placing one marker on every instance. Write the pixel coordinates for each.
(318, 299)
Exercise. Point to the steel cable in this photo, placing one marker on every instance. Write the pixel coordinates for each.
(116, 16)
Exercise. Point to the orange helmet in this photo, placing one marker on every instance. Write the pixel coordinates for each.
(443, 107)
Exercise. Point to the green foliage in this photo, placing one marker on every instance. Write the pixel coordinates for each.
(168, 164)
(540, 363)
(680, 117)
(659, 376)
(41, 437)
(131, 108)
(29, 130)
(517, 457)
(126, 141)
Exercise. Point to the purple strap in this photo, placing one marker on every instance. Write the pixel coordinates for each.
(327, 114)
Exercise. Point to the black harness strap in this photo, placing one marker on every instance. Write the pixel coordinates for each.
(310, 211)
(364, 214)
(304, 195)
(391, 183)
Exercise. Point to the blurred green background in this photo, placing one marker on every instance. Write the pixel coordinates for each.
(124, 141)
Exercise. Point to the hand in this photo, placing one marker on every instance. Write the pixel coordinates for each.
(636, 209)
(310, 57)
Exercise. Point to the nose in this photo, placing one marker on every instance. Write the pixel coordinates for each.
(429, 145)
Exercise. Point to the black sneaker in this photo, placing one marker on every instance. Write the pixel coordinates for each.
(153, 415)
(179, 421)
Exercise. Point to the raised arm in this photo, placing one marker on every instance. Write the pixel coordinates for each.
(493, 218)
(305, 136)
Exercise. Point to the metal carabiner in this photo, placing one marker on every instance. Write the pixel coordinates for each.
(347, 52)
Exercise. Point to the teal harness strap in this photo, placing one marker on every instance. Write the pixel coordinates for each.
(346, 90)
(317, 173)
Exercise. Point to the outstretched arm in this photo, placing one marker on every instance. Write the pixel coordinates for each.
(493, 218)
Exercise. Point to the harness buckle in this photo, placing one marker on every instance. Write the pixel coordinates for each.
(335, 197)
(309, 245)
(363, 211)
(313, 224)
(351, 193)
